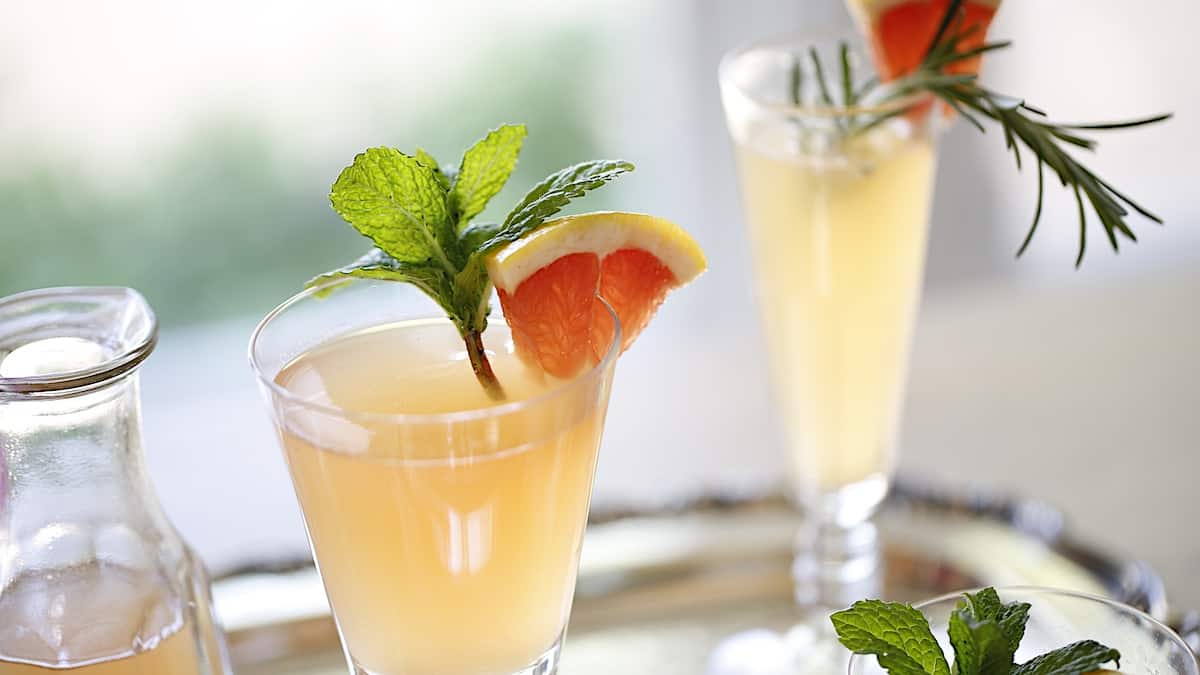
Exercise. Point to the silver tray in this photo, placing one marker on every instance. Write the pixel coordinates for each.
(658, 591)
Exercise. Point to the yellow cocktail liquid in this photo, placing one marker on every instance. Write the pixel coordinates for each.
(839, 248)
(447, 545)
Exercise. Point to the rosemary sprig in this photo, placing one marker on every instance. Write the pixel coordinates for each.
(1021, 123)
(1026, 126)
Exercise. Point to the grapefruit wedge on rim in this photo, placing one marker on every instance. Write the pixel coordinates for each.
(548, 282)
(900, 31)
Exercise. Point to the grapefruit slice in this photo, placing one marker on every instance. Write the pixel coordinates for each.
(900, 31)
(548, 283)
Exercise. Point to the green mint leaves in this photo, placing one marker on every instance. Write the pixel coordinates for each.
(984, 634)
(418, 215)
(896, 633)
(1074, 659)
(376, 264)
(397, 202)
(551, 195)
(485, 169)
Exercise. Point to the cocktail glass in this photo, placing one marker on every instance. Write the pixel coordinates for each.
(446, 529)
(1058, 618)
(837, 209)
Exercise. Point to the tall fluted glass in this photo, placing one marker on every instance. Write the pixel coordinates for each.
(836, 200)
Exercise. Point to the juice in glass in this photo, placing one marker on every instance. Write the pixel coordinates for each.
(839, 245)
(837, 199)
(446, 526)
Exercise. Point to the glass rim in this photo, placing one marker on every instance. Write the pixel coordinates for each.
(71, 383)
(1060, 592)
(453, 417)
(784, 42)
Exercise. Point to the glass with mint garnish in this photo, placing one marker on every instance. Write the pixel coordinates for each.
(1010, 631)
(444, 483)
(443, 454)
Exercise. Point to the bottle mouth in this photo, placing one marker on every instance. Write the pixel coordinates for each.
(67, 341)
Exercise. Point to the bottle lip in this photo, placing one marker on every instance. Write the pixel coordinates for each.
(117, 317)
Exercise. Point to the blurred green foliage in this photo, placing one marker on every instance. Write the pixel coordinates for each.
(227, 225)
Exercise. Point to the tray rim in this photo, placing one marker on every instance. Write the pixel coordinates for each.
(1130, 581)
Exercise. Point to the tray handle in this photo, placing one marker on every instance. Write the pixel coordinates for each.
(1188, 627)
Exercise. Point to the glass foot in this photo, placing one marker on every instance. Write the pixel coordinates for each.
(546, 664)
(834, 566)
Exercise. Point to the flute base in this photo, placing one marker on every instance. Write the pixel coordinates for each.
(802, 650)
(834, 566)
(837, 549)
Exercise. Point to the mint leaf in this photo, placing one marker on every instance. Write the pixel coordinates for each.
(427, 159)
(1074, 659)
(974, 648)
(895, 633)
(982, 605)
(551, 195)
(1012, 620)
(376, 264)
(484, 170)
(398, 203)
(980, 647)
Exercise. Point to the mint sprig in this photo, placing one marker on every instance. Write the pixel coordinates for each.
(551, 195)
(984, 634)
(418, 215)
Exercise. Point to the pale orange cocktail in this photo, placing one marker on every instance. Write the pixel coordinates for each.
(447, 527)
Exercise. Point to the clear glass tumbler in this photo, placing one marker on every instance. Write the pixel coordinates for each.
(837, 199)
(93, 578)
(1058, 618)
(446, 528)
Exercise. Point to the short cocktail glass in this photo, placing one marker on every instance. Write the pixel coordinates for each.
(1058, 618)
(446, 527)
(838, 212)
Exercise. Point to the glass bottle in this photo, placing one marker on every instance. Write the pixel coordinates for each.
(93, 578)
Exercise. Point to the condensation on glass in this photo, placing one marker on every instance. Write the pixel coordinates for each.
(93, 578)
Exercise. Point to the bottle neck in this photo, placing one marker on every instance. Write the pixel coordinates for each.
(75, 490)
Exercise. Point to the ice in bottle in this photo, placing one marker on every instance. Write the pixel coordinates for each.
(93, 578)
